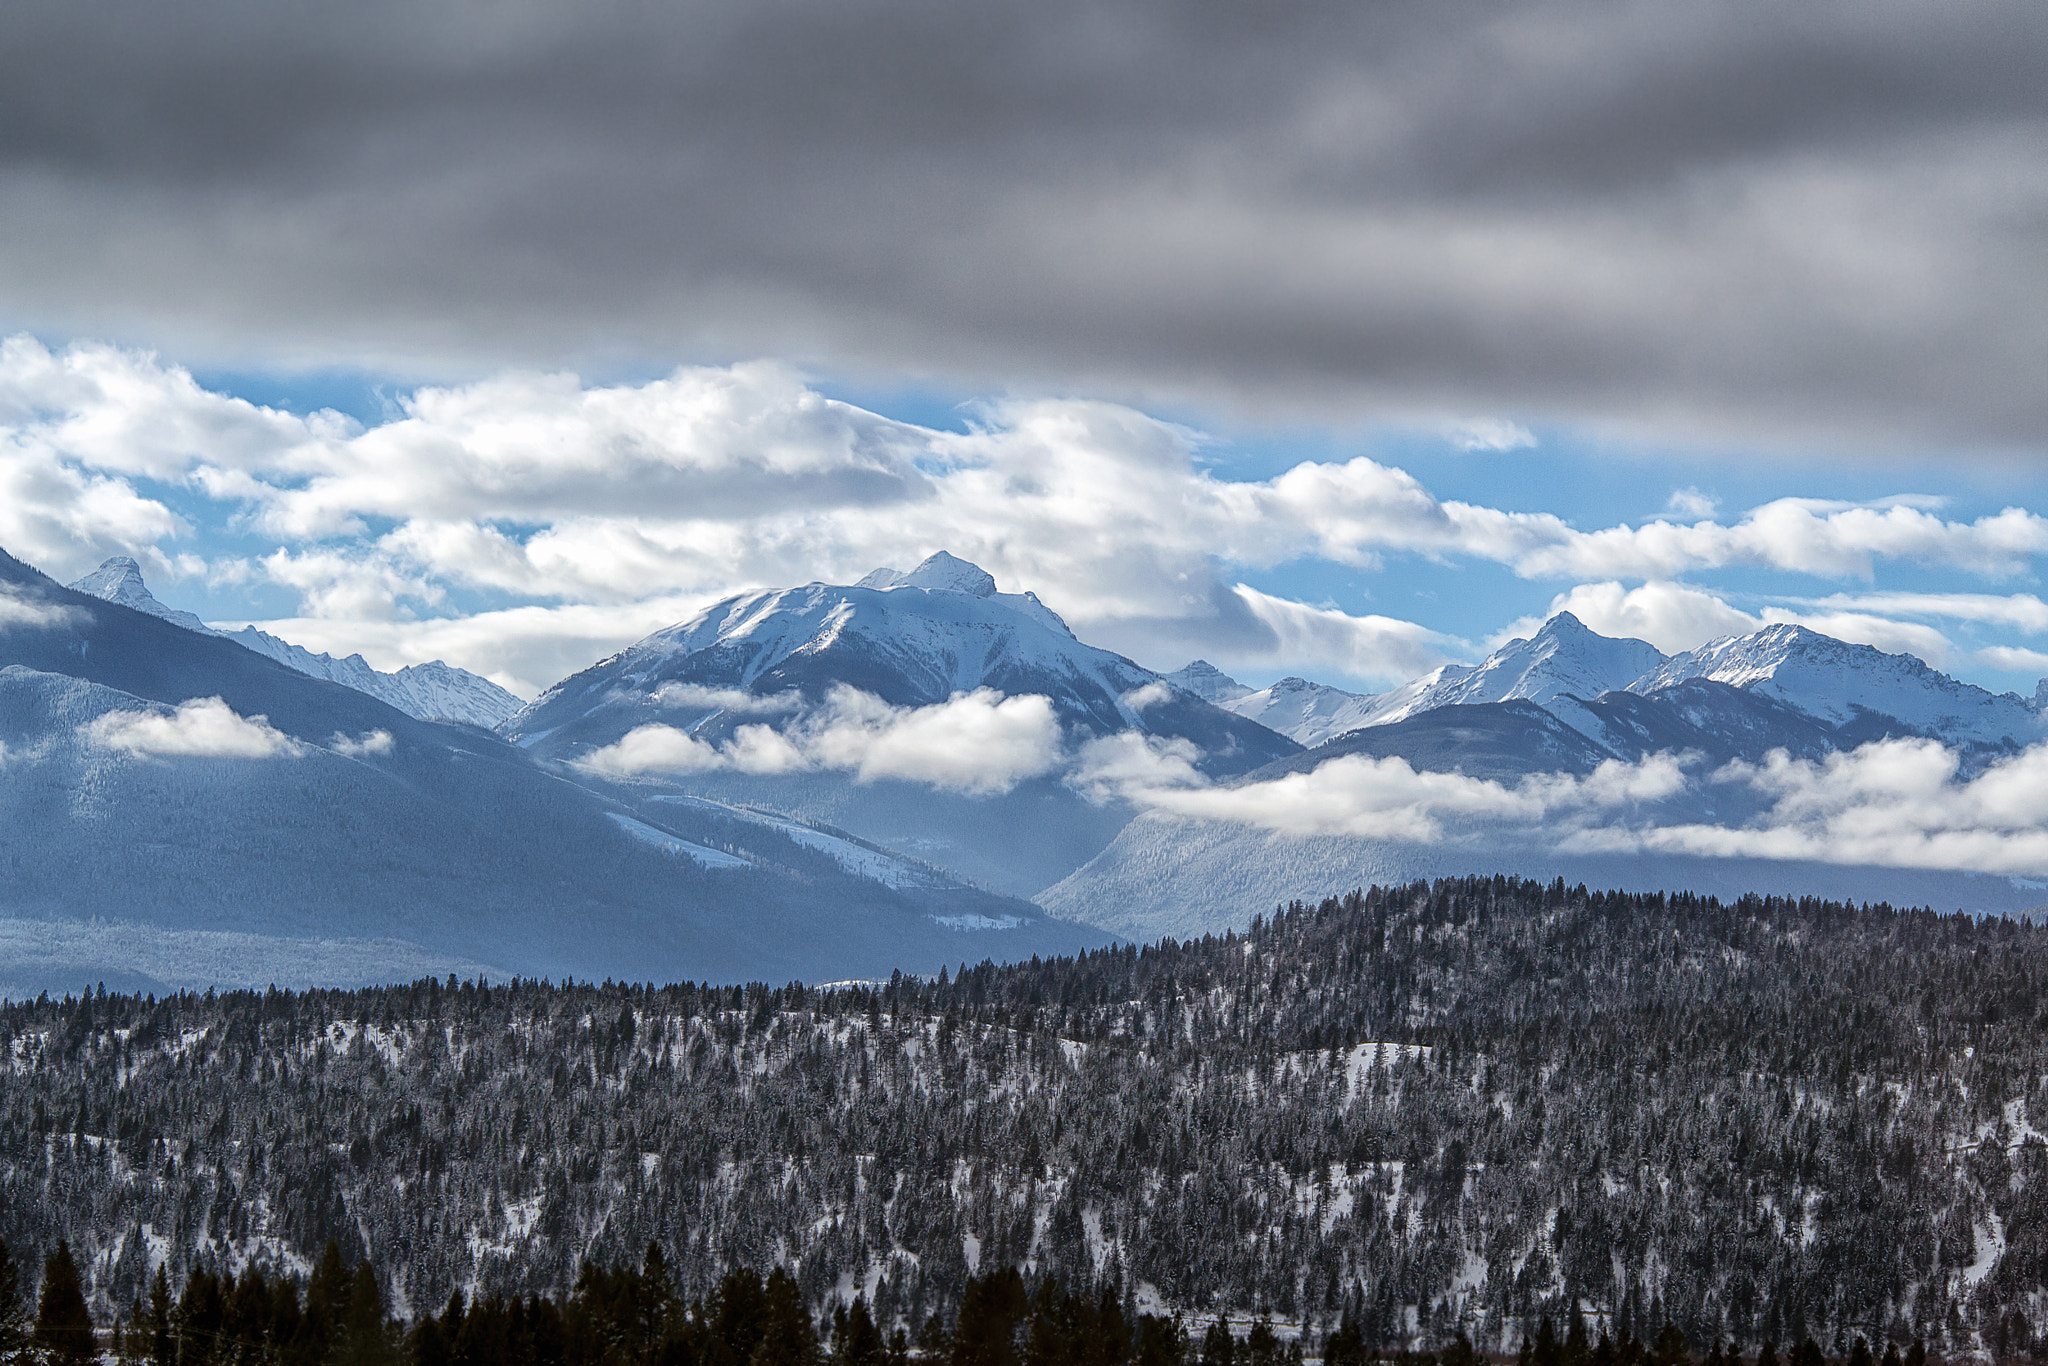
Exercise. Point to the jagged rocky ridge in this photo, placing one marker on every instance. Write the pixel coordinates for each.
(435, 691)
(1444, 1107)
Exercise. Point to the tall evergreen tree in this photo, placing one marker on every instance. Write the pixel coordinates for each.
(63, 1324)
(788, 1337)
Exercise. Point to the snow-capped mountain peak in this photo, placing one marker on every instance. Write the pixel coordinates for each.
(912, 640)
(942, 572)
(1209, 683)
(1852, 687)
(430, 692)
(119, 580)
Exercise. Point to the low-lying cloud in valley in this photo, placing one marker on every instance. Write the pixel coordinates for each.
(202, 728)
(977, 742)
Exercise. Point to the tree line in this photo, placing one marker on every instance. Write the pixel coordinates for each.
(629, 1315)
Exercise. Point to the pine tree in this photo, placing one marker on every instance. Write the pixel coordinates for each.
(63, 1324)
(1219, 1348)
(162, 1346)
(788, 1338)
(1669, 1349)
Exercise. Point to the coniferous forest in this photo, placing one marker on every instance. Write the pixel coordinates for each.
(1405, 1115)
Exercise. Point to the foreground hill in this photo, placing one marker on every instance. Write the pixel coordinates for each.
(178, 810)
(1439, 1107)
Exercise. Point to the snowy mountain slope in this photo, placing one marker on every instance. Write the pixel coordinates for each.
(434, 691)
(428, 692)
(1855, 692)
(343, 822)
(1564, 657)
(1308, 713)
(912, 640)
(120, 580)
(1703, 716)
(1167, 874)
(856, 856)
(1856, 689)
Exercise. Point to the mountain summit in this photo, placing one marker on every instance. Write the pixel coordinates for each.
(941, 573)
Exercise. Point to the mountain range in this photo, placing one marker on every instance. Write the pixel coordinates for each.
(831, 781)
(179, 810)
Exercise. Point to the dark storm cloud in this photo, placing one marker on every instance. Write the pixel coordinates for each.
(1775, 218)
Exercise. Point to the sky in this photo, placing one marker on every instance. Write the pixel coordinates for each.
(1323, 339)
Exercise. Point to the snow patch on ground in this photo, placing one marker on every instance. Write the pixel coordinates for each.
(979, 922)
(669, 844)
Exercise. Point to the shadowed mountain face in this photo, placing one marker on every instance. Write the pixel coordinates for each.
(298, 830)
(1499, 741)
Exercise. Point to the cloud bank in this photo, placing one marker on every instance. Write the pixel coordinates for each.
(24, 611)
(1728, 213)
(1894, 803)
(979, 742)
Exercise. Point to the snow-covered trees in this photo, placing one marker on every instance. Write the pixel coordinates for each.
(1429, 1109)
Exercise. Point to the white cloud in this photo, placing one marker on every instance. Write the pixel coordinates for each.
(1130, 763)
(2019, 611)
(2012, 658)
(978, 742)
(696, 696)
(1488, 434)
(625, 506)
(1671, 616)
(370, 743)
(654, 749)
(204, 727)
(1892, 803)
(1370, 647)
(1895, 803)
(1361, 796)
(1690, 502)
(27, 611)
(1151, 695)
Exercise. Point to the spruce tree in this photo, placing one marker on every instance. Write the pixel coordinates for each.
(788, 1338)
(1669, 1349)
(63, 1324)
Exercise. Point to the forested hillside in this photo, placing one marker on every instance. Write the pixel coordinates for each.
(1439, 1107)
